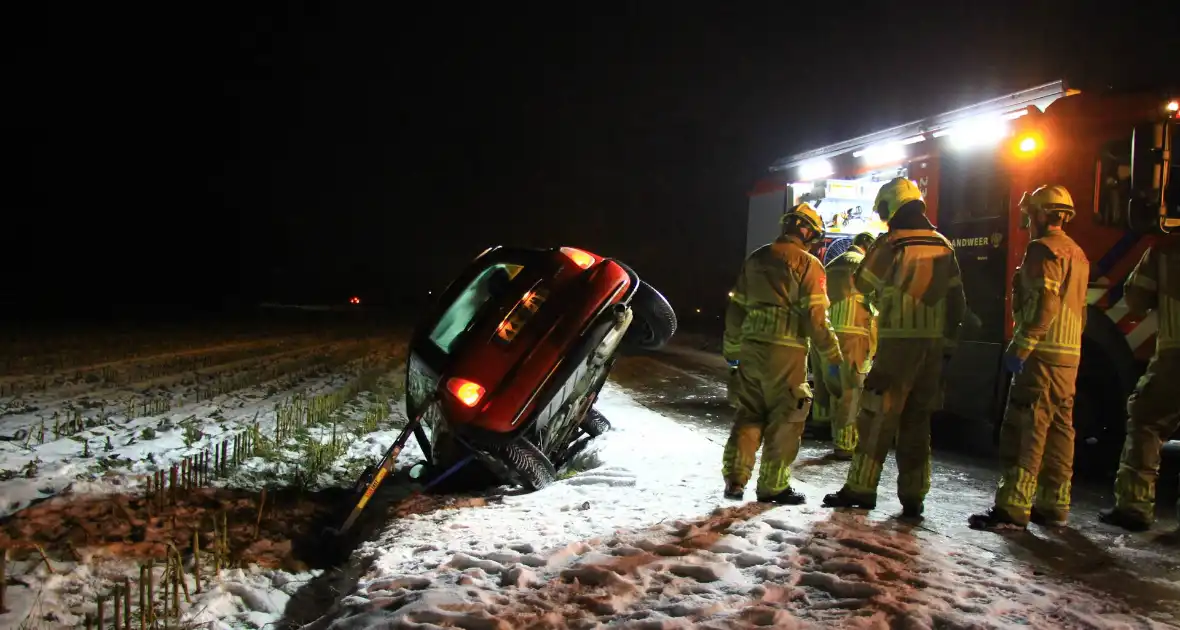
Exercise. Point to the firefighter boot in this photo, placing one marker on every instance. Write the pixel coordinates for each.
(848, 499)
(786, 497)
(735, 491)
(1124, 519)
(1046, 519)
(994, 520)
(912, 510)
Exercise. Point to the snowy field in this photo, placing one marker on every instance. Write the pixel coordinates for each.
(639, 539)
(83, 444)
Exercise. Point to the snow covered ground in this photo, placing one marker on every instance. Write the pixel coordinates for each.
(114, 445)
(646, 541)
(642, 539)
(110, 447)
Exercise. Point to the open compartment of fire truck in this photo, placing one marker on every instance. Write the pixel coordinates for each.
(972, 165)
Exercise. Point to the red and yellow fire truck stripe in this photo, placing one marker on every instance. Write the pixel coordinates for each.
(1105, 293)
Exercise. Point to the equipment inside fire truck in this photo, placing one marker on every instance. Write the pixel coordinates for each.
(1112, 151)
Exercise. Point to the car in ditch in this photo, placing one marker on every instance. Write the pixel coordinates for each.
(504, 370)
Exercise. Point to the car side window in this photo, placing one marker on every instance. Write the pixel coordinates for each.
(461, 314)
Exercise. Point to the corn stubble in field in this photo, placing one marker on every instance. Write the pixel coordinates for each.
(306, 439)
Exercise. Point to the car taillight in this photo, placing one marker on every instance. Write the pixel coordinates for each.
(579, 257)
(468, 392)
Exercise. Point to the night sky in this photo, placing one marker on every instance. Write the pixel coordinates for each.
(307, 154)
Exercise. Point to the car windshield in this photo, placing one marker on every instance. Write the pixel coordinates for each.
(490, 283)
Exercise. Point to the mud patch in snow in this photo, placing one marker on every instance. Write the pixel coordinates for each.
(730, 570)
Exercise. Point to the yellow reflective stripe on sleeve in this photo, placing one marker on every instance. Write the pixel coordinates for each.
(1052, 286)
(816, 299)
(738, 298)
(871, 278)
(1027, 343)
(1044, 347)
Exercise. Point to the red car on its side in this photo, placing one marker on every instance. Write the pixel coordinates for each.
(508, 363)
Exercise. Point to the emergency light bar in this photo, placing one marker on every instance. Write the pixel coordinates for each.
(967, 122)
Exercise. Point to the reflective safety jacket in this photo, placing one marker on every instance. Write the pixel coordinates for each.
(850, 311)
(1154, 284)
(912, 276)
(1049, 300)
(781, 298)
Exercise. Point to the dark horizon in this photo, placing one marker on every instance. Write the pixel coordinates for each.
(233, 157)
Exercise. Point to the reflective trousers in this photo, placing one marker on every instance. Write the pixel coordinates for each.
(772, 400)
(899, 395)
(840, 411)
(1154, 416)
(1037, 441)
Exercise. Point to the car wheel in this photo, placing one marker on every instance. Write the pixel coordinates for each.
(532, 468)
(595, 424)
(654, 322)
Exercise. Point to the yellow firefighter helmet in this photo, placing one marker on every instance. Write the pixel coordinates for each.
(1047, 200)
(895, 194)
(808, 215)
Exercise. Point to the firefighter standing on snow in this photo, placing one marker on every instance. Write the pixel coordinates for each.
(1153, 407)
(780, 301)
(913, 275)
(852, 318)
(1049, 313)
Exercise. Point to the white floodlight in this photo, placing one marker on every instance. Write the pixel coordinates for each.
(882, 153)
(815, 169)
(976, 132)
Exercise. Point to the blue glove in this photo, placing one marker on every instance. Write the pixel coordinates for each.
(834, 371)
(1013, 363)
(733, 363)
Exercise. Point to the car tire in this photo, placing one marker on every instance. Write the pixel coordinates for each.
(595, 424)
(654, 320)
(533, 470)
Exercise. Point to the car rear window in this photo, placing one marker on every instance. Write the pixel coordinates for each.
(461, 314)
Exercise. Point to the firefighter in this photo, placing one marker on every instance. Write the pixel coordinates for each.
(912, 275)
(1153, 408)
(779, 303)
(1048, 313)
(852, 318)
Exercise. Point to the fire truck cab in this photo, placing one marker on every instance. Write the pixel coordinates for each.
(1112, 151)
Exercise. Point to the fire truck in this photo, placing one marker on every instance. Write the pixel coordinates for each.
(1112, 151)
